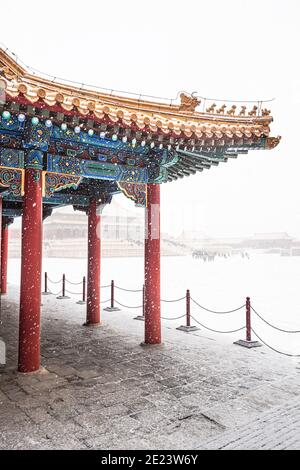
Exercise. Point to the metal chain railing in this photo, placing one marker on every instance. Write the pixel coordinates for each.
(73, 293)
(55, 294)
(77, 283)
(175, 318)
(273, 326)
(272, 348)
(74, 283)
(248, 327)
(173, 301)
(217, 331)
(128, 290)
(54, 282)
(215, 311)
(128, 306)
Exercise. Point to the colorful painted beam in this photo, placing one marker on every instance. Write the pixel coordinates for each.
(55, 200)
(104, 171)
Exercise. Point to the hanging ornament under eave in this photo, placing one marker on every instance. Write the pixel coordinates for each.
(6, 115)
(48, 123)
(35, 121)
(21, 118)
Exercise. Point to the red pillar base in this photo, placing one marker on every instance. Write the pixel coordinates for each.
(112, 309)
(40, 371)
(187, 329)
(152, 346)
(248, 344)
(93, 325)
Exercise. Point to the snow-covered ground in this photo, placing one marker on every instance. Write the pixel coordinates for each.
(271, 281)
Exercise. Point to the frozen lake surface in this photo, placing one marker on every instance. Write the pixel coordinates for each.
(271, 281)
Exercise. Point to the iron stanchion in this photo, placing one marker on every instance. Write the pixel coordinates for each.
(63, 296)
(188, 328)
(46, 292)
(112, 307)
(142, 317)
(248, 343)
(83, 301)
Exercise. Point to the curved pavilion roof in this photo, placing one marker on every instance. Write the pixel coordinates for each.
(135, 140)
(215, 125)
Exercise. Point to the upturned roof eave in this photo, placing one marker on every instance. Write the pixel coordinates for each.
(151, 108)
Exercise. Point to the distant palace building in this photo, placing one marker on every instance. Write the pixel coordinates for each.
(270, 240)
(281, 243)
(123, 235)
(65, 235)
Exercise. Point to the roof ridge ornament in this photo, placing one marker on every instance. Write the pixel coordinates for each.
(188, 102)
(273, 142)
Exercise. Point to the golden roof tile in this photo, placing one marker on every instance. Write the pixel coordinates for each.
(215, 122)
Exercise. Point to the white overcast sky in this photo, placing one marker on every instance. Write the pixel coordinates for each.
(233, 49)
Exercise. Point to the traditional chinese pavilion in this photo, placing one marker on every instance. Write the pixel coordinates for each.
(62, 144)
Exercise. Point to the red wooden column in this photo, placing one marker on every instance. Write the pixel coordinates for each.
(4, 256)
(31, 266)
(1, 221)
(152, 266)
(94, 256)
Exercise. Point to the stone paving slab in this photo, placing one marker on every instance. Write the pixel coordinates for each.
(277, 429)
(101, 390)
